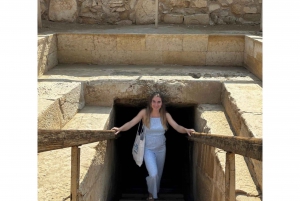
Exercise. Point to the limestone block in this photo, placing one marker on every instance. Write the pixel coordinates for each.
(237, 103)
(51, 61)
(184, 58)
(75, 56)
(237, 9)
(131, 42)
(145, 57)
(179, 3)
(252, 17)
(145, 12)
(196, 19)
(173, 19)
(223, 43)
(49, 114)
(258, 50)
(250, 9)
(42, 64)
(213, 6)
(110, 57)
(105, 42)
(75, 42)
(224, 58)
(249, 46)
(68, 95)
(164, 42)
(198, 3)
(195, 42)
(124, 22)
(63, 10)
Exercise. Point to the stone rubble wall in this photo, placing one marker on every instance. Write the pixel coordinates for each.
(127, 12)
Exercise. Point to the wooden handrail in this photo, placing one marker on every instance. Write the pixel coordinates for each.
(58, 139)
(246, 146)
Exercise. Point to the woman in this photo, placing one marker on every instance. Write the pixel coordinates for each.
(155, 120)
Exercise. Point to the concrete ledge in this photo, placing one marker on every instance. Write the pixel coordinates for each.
(58, 103)
(210, 161)
(243, 105)
(253, 55)
(47, 53)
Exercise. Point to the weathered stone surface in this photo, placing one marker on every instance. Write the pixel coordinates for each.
(142, 12)
(249, 9)
(131, 42)
(224, 58)
(145, 12)
(47, 53)
(167, 42)
(184, 58)
(198, 3)
(69, 99)
(253, 55)
(213, 6)
(63, 10)
(195, 43)
(173, 18)
(245, 113)
(105, 42)
(196, 19)
(124, 22)
(219, 43)
(252, 17)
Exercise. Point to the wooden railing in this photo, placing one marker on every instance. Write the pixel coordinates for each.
(58, 139)
(245, 146)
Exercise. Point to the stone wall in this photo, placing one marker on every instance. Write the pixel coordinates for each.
(126, 12)
(253, 55)
(154, 49)
(47, 53)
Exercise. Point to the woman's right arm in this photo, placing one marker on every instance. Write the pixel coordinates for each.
(131, 123)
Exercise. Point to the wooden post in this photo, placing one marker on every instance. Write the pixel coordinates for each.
(156, 13)
(75, 169)
(39, 15)
(230, 177)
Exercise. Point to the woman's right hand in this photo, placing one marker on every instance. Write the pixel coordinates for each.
(116, 129)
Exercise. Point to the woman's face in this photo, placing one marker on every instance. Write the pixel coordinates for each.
(156, 103)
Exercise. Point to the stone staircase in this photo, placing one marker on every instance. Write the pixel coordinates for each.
(143, 197)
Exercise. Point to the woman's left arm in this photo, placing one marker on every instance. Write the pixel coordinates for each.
(177, 127)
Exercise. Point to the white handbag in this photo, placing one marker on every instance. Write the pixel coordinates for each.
(138, 146)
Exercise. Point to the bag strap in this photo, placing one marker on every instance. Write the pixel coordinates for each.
(139, 128)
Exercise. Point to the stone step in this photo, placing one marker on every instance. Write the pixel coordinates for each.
(58, 102)
(215, 121)
(142, 197)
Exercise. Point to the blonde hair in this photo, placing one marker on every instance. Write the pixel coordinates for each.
(162, 111)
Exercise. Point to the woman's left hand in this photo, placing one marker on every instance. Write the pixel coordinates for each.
(189, 131)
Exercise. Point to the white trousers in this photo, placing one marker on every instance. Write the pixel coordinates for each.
(154, 159)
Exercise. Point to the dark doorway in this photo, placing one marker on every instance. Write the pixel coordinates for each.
(177, 170)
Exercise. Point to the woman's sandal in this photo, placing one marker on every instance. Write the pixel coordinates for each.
(150, 198)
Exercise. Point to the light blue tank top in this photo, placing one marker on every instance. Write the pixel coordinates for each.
(156, 128)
